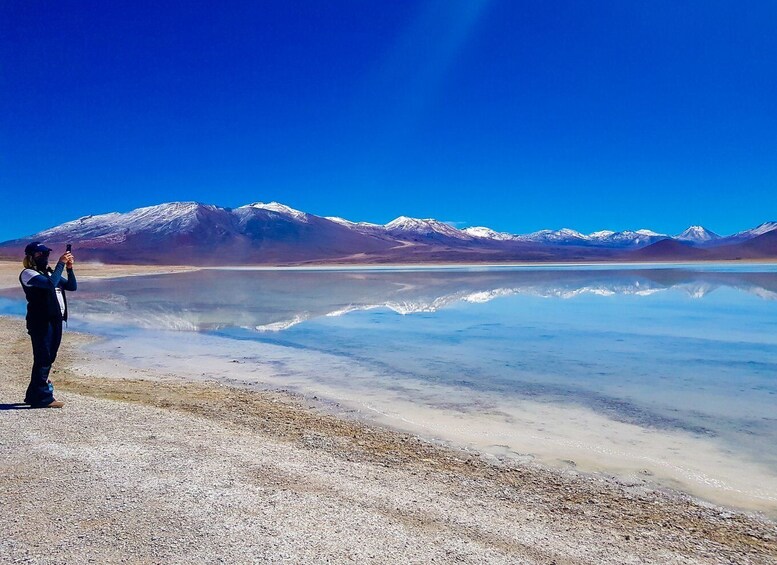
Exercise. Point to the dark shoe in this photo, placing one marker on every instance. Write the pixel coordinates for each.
(55, 404)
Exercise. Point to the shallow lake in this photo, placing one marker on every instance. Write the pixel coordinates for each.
(659, 373)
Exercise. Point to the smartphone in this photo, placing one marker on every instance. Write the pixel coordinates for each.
(69, 247)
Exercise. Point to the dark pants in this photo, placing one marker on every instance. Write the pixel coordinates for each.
(45, 344)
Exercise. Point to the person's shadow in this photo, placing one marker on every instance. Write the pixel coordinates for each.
(16, 406)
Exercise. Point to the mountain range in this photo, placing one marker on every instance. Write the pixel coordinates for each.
(273, 233)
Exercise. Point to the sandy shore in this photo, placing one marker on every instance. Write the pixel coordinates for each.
(153, 468)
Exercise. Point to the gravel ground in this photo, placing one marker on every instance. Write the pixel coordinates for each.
(148, 469)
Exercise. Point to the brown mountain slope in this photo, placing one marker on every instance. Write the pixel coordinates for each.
(667, 250)
(761, 247)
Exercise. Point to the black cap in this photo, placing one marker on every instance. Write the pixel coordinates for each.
(34, 247)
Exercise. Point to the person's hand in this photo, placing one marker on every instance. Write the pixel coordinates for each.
(67, 259)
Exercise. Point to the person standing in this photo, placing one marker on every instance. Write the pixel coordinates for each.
(46, 310)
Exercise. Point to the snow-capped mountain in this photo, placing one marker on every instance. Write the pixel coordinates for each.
(628, 238)
(564, 236)
(171, 222)
(762, 229)
(172, 217)
(697, 234)
(404, 226)
(365, 227)
(274, 233)
(568, 237)
(743, 236)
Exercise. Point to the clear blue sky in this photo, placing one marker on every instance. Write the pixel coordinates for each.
(515, 115)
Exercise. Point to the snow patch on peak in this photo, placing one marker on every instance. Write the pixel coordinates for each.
(405, 222)
(570, 233)
(602, 234)
(168, 209)
(763, 228)
(766, 227)
(487, 233)
(649, 233)
(697, 234)
(339, 220)
(608, 238)
(169, 217)
(279, 208)
(425, 227)
(350, 224)
(564, 235)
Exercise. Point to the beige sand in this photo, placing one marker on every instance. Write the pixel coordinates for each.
(157, 469)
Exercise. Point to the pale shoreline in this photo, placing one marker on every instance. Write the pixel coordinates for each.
(558, 436)
(433, 502)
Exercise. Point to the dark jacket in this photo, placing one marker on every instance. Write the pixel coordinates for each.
(41, 291)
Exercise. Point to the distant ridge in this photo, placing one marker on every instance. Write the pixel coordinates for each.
(277, 234)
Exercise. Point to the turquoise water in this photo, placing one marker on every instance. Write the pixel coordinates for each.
(681, 350)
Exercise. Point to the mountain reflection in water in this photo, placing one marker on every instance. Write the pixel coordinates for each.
(275, 300)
